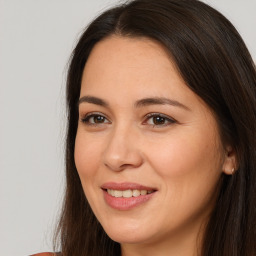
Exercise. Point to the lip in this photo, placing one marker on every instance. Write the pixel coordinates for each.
(124, 204)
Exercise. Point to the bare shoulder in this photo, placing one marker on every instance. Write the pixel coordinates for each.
(45, 254)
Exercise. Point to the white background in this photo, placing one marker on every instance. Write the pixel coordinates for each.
(36, 39)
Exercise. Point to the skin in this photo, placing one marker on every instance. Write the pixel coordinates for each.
(182, 156)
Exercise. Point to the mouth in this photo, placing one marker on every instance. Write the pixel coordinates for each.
(128, 193)
(125, 196)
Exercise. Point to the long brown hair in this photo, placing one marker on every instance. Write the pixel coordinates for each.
(215, 63)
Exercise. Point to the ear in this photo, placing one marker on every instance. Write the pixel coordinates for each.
(230, 164)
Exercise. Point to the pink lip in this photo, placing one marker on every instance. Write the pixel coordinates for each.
(124, 204)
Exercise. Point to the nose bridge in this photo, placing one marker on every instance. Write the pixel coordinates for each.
(121, 151)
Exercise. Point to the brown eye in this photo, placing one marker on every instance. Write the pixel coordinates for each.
(98, 119)
(158, 120)
(94, 119)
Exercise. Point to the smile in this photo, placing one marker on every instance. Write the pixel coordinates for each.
(126, 196)
(128, 193)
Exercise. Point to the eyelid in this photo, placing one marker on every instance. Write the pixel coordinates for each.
(155, 114)
(85, 118)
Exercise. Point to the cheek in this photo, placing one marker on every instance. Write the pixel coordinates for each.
(87, 160)
(189, 172)
(87, 156)
(188, 165)
(184, 152)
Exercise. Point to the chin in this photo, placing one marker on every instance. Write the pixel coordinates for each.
(129, 233)
(129, 237)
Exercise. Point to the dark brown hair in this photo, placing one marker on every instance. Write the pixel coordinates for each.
(215, 63)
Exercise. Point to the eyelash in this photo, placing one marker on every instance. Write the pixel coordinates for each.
(87, 117)
(167, 120)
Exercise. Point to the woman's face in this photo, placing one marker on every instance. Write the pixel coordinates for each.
(148, 150)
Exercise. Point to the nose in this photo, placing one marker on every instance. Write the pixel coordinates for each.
(121, 151)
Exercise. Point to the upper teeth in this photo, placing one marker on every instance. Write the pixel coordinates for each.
(128, 193)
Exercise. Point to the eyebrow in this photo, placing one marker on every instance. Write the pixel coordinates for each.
(140, 103)
(93, 100)
(160, 101)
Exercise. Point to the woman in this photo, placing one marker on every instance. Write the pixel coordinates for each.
(160, 153)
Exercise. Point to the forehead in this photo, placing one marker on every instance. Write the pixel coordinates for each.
(142, 46)
(123, 62)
